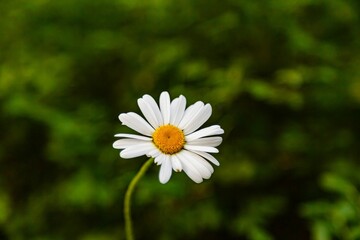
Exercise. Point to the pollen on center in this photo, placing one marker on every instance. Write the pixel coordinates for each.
(169, 139)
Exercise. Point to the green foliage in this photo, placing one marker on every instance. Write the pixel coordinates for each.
(283, 79)
(338, 217)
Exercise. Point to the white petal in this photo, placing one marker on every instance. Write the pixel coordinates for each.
(134, 136)
(124, 143)
(154, 106)
(148, 112)
(201, 148)
(190, 113)
(176, 164)
(204, 168)
(209, 141)
(188, 168)
(202, 162)
(177, 109)
(137, 150)
(165, 107)
(208, 157)
(136, 122)
(159, 159)
(198, 119)
(154, 153)
(165, 170)
(208, 131)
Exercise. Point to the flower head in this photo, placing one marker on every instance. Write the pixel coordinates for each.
(170, 135)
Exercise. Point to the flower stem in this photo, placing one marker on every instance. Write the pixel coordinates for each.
(127, 202)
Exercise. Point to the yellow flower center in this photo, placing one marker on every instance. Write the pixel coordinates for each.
(169, 139)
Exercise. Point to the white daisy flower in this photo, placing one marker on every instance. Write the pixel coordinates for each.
(169, 136)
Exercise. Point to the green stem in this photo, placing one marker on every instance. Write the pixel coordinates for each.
(127, 202)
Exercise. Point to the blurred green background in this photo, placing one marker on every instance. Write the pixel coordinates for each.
(283, 78)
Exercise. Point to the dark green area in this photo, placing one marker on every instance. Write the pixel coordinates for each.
(283, 78)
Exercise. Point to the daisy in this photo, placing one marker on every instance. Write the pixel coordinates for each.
(170, 135)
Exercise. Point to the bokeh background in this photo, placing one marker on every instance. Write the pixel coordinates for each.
(283, 78)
